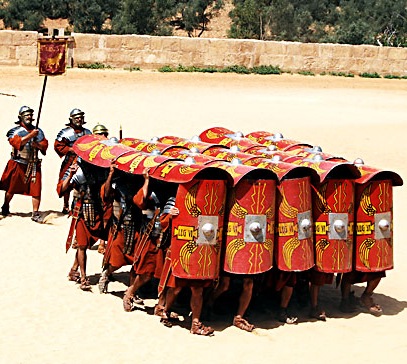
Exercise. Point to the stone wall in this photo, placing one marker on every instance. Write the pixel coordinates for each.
(147, 52)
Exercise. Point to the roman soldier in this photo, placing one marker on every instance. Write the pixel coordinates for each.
(64, 142)
(22, 174)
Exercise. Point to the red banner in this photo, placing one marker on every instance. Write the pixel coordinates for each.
(52, 56)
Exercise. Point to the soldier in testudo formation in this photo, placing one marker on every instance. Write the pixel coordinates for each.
(87, 214)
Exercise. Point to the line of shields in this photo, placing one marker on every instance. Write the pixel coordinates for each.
(251, 202)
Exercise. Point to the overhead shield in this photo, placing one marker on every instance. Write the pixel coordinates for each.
(146, 146)
(193, 145)
(226, 154)
(277, 139)
(135, 162)
(227, 138)
(97, 150)
(294, 249)
(197, 231)
(250, 227)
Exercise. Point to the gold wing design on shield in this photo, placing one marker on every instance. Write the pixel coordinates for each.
(86, 146)
(106, 154)
(238, 211)
(212, 135)
(364, 251)
(288, 250)
(286, 209)
(270, 213)
(185, 254)
(320, 248)
(321, 203)
(366, 203)
(190, 201)
(233, 247)
(268, 244)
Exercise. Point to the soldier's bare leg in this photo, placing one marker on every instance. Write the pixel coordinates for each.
(244, 301)
(82, 257)
(36, 201)
(130, 294)
(5, 209)
(367, 300)
(283, 315)
(73, 274)
(196, 307)
(315, 311)
(347, 299)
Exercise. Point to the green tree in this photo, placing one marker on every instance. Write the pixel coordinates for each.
(194, 16)
(143, 17)
(250, 19)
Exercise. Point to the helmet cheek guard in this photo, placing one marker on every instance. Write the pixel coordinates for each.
(23, 114)
(77, 117)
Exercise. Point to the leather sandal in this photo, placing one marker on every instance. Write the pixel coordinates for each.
(85, 285)
(242, 324)
(103, 282)
(74, 276)
(198, 328)
(367, 302)
(127, 303)
(284, 317)
(318, 314)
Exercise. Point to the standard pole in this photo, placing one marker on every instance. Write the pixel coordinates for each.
(44, 85)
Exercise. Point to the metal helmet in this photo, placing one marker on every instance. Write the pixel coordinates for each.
(100, 129)
(23, 114)
(77, 117)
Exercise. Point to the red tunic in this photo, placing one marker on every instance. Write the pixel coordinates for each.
(13, 178)
(146, 265)
(63, 149)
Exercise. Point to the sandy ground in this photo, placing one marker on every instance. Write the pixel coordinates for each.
(46, 319)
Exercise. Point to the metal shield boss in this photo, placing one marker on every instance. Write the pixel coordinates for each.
(374, 226)
(197, 230)
(250, 227)
(294, 236)
(333, 213)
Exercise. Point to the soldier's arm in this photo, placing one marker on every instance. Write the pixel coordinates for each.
(18, 142)
(41, 145)
(108, 183)
(66, 181)
(62, 147)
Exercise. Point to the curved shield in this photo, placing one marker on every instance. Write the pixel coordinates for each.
(327, 169)
(176, 171)
(226, 154)
(294, 239)
(197, 230)
(98, 150)
(197, 146)
(136, 162)
(250, 227)
(215, 135)
(267, 139)
(333, 213)
(145, 146)
(374, 226)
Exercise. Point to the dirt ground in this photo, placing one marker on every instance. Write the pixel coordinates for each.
(46, 319)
